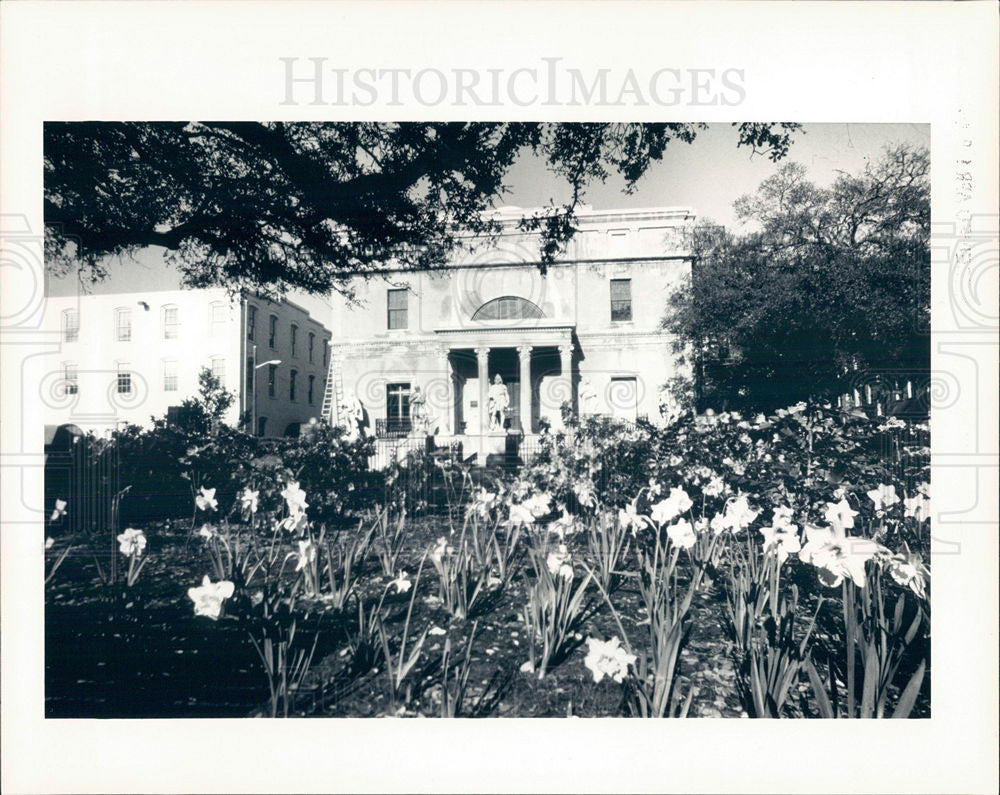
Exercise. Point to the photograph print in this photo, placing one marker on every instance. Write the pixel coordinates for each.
(487, 420)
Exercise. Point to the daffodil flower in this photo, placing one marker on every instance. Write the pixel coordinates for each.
(608, 658)
(248, 500)
(682, 534)
(59, 510)
(883, 496)
(208, 598)
(401, 583)
(917, 506)
(441, 549)
(206, 531)
(781, 540)
(295, 498)
(908, 570)
(306, 555)
(840, 514)
(837, 555)
(206, 500)
(560, 563)
(132, 542)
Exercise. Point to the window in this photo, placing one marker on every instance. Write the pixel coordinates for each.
(291, 384)
(312, 385)
(124, 379)
(261, 425)
(71, 325)
(295, 338)
(217, 318)
(397, 309)
(250, 374)
(397, 407)
(169, 375)
(621, 299)
(123, 325)
(251, 321)
(170, 322)
(219, 368)
(272, 332)
(272, 378)
(326, 351)
(312, 344)
(507, 308)
(71, 379)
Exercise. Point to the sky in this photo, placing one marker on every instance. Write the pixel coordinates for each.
(707, 176)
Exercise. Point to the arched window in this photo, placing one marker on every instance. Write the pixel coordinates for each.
(509, 307)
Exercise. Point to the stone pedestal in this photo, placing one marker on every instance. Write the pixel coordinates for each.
(488, 444)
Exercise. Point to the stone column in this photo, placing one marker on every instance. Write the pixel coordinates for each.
(448, 412)
(482, 360)
(524, 359)
(566, 373)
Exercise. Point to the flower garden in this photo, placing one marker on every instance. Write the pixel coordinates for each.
(723, 566)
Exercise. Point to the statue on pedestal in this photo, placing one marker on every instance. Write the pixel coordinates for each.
(499, 400)
(418, 416)
(353, 416)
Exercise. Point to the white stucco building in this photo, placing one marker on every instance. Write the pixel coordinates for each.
(586, 333)
(127, 355)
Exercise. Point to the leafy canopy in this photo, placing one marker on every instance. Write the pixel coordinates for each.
(832, 281)
(277, 206)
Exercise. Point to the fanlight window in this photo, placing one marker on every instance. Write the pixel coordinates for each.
(508, 308)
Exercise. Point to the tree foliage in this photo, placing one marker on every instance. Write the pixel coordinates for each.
(276, 206)
(832, 281)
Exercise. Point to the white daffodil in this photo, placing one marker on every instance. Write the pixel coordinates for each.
(917, 506)
(441, 549)
(781, 540)
(584, 491)
(560, 563)
(539, 504)
(883, 496)
(295, 498)
(307, 554)
(715, 487)
(59, 510)
(206, 531)
(49, 542)
(837, 555)
(132, 542)
(564, 526)
(907, 568)
(668, 509)
(682, 534)
(520, 514)
(248, 500)
(630, 519)
(208, 598)
(654, 488)
(206, 500)
(607, 658)
(840, 514)
(401, 583)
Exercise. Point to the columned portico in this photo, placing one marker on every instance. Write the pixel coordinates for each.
(494, 348)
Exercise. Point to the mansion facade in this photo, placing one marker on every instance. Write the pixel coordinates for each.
(424, 348)
(129, 356)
